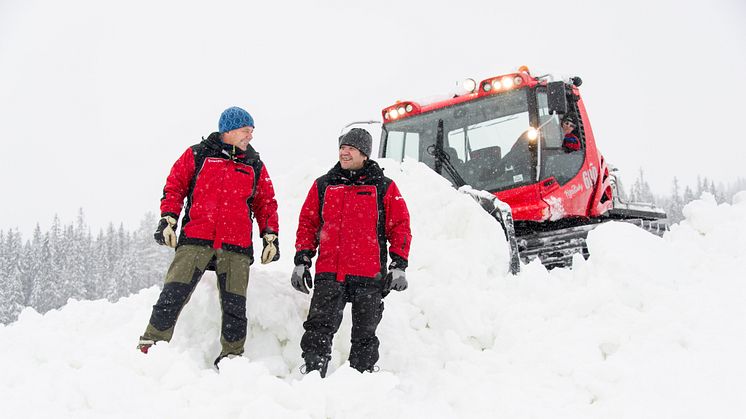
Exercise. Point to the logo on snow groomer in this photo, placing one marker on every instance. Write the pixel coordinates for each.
(574, 189)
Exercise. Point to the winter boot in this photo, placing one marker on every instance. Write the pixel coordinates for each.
(315, 363)
(145, 344)
(220, 358)
(362, 369)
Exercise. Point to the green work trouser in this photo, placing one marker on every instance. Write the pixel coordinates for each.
(185, 272)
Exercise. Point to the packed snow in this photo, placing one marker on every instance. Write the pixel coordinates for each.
(648, 327)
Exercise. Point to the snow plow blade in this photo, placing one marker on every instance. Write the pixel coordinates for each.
(504, 215)
(555, 248)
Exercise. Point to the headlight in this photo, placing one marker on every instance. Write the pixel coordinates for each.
(401, 110)
(496, 84)
(469, 85)
(507, 82)
(409, 108)
(532, 134)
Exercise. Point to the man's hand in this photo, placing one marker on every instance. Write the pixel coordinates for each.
(301, 279)
(397, 280)
(164, 233)
(271, 251)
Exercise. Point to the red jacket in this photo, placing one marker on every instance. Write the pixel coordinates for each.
(571, 142)
(224, 193)
(349, 217)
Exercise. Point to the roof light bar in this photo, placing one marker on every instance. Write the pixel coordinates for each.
(400, 110)
(502, 83)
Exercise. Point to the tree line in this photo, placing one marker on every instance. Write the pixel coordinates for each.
(69, 262)
(674, 201)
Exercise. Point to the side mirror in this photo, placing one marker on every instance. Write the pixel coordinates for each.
(556, 98)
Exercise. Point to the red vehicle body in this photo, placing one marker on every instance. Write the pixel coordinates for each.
(504, 136)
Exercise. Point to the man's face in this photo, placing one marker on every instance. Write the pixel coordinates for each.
(239, 137)
(351, 158)
(567, 127)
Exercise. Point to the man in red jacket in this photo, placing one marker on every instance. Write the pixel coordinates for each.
(349, 215)
(226, 185)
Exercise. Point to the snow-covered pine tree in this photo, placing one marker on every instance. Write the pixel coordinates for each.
(123, 273)
(688, 195)
(11, 290)
(27, 269)
(152, 259)
(78, 259)
(42, 274)
(107, 250)
(66, 262)
(641, 191)
(675, 203)
(54, 294)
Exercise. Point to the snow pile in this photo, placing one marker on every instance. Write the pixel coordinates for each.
(647, 327)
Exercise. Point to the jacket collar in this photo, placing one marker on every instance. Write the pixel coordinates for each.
(370, 172)
(214, 143)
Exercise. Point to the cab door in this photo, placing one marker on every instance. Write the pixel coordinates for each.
(560, 172)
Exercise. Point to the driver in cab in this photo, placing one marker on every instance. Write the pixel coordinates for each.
(570, 142)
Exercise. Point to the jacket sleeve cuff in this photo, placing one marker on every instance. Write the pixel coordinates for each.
(303, 257)
(398, 262)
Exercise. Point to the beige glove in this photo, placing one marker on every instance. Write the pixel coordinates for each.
(164, 233)
(271, 250)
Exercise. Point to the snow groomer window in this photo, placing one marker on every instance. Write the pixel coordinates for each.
(551, 132)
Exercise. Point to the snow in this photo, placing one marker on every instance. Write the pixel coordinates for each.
(648, 327)
(556, 208)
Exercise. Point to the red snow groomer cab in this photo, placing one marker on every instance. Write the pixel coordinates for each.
(504, 135)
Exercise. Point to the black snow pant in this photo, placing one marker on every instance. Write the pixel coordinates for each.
(185, 272)
(325, 316)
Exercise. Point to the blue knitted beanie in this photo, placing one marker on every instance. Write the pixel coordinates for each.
(234, 118)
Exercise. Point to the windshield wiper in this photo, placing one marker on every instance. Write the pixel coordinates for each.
(442, 159)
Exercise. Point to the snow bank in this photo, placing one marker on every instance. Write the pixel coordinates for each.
(647, 327)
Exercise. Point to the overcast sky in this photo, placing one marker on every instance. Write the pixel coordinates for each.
(99, 98)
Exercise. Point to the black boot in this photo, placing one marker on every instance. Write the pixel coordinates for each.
(315, 363)
(363, 369)
(220, 358)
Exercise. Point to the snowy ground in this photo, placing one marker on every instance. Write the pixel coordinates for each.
(646, 328)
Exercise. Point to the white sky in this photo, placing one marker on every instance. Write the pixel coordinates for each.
(98, 98)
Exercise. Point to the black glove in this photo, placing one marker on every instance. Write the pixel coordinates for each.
(164, 233)
(301, 279)
(271, 250)
(395, 280)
